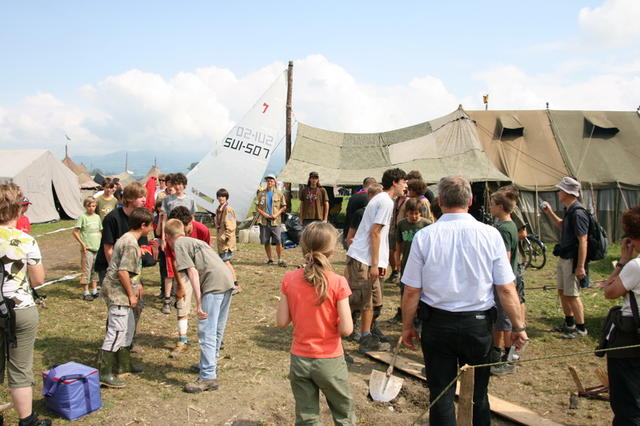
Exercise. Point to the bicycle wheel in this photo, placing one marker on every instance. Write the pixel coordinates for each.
(538, 255)
(525, 252)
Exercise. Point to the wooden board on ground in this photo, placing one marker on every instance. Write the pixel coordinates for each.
(499, 406)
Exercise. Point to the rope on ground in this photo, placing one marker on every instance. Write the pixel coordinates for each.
(53, 232)
(466, 367)
(65, 278)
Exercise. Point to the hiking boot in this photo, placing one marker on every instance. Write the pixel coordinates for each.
(393, 277)
(397, 318)
(503, 369)
(201, 385)
(124, 362)
(180, 348)
(166, 307)
(348, 358)
(355, 336)
(563, 328)
(87, 298)
(105, 366)
(372, 343)
(575, 334)
(33, 420)
(378, 333)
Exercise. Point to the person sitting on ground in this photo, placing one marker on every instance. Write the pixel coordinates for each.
(270, 204)
(199, 231)
(212, 285)
(121, 290)
(23, 223)
(106, 202)
(87, 232)
(502, 204)
(226, 224)
(623, 366)
(405, 231)
(21, 269)
(315, 300)
(314, 201)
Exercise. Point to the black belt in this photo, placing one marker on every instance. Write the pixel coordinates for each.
(441, 312)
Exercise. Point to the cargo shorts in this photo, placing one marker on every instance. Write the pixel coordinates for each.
(364, 293)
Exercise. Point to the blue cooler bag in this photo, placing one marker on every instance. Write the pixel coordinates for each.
(72, 390)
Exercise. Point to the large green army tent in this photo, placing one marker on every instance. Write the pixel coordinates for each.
(445, 146)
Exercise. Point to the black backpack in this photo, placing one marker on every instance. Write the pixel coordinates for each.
(597, 239)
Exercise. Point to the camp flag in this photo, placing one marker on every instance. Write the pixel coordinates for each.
(238, 161)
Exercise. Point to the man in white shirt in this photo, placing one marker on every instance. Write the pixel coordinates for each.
(368, 255)
(450, 273)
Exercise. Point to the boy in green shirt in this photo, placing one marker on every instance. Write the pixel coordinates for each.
(122, 289)
(88, 233)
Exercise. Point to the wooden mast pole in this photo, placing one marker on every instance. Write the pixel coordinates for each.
(288, 129)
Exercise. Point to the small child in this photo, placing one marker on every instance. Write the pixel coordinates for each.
(226, 233)
(106, 202)
(24, 224)
(183, 293)
(406, 229)
(87, 232)
(212, 286)
(121, 290)
(316, 300)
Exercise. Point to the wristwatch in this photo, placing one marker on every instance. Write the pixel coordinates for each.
(620, 265)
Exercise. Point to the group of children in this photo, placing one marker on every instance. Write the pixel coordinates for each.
(112, 234)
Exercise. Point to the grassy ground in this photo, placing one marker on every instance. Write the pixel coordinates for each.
(253, 374)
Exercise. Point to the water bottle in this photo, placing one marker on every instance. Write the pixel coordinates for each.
(515, 353)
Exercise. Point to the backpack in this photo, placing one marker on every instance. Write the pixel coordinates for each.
(597, 239)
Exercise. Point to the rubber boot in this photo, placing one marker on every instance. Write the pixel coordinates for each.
(107, 378)
(124, 362)
(33, 420)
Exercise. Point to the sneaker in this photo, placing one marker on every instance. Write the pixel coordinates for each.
(180, 348)
(378, 333)
(95, 296)
(201, 385)
(282, 263)
(269, 262)
(563, 328)
(87, 297)
(575, 334)
(348, 358)
(371, 343)
(503, 369)
(166, 308)
(393, 277)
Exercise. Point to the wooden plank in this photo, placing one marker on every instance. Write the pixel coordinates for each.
(576, 378)
(602, 376)
(499, 406)
(465, 401)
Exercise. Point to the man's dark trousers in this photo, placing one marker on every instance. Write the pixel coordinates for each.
(450, 340)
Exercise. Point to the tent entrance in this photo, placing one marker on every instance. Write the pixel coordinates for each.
(58, 205)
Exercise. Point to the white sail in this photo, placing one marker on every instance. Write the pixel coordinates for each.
(238, 162)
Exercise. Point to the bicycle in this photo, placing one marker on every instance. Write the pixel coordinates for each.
(534, 252)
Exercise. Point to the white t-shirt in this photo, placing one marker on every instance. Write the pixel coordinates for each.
(456, 261)
(378, 211)
(630, 277)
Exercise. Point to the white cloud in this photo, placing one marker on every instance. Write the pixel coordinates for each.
(616, 22)
(139, 110)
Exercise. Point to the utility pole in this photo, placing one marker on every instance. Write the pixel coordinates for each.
(288, 130)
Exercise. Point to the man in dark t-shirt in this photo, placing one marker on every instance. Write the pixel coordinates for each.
(357, 201)
(572, 253)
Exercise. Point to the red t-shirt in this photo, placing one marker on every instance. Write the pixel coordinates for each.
(199, 232)
(315, 327)
(23, 224)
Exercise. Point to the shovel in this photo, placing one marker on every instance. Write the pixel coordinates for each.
(384, 387)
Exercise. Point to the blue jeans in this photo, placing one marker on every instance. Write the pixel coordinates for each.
(211, 331)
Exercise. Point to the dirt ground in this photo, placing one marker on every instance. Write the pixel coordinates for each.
(254, 388)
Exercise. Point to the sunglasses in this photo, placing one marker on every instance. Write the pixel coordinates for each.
(161, 180)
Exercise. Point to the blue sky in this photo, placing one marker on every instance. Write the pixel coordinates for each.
(93, 68)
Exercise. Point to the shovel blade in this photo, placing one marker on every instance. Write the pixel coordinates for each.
(383, 388)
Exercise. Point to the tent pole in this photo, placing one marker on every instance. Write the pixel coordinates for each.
(288, 129)
(624, 200)
(537, 207)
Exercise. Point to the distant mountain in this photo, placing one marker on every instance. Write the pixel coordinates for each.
(139, 162)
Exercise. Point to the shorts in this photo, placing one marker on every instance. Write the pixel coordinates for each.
(120, 327)
(20, 365)
(89, 274)
(364, 294)
(183, 306)
(520, 282)
(567, 281)
(392, 240)
(270, 235)
(226, 256)
(503, 323)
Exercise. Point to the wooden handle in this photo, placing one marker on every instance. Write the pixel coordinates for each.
(395, 356)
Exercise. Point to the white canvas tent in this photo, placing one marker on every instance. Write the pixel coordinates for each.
(45, 180)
